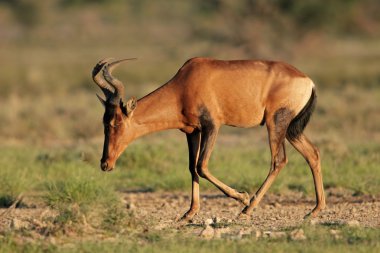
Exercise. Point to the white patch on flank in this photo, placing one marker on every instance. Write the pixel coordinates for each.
(302, 92)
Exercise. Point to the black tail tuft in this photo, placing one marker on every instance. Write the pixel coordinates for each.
(298, 124)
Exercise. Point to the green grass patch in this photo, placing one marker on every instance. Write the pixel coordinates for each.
(73, 175)
(78, 191)
(350, 240)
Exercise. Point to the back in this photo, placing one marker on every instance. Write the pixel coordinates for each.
(236, 92)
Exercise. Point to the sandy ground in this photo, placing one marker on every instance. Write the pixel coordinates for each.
(159, 211)
(275, 212)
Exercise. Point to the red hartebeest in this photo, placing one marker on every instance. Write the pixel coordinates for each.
(202, 96)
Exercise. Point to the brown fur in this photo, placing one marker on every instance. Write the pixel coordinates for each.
(207, 93)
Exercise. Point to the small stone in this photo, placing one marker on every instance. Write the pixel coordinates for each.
(52, 240)
(208, 222)
(297, 235)
(353, 223)
(207, 233)
(257, 234)
(217, 220)
(131, 206)
(335, 233)
(274, 235)
(314, 222)
(37, 223)
(266, 233)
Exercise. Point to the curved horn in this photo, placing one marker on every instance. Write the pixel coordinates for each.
(117, 84)
(98, 80)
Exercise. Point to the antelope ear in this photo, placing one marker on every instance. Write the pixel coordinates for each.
(101, 100)
(130, 106)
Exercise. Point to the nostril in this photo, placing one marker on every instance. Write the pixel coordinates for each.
(104, 166)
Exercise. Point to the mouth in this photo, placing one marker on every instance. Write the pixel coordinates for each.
(105, 167)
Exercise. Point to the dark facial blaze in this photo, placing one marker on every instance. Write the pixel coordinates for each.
(113, 130)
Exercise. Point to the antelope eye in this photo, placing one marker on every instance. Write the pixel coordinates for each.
(108, 126)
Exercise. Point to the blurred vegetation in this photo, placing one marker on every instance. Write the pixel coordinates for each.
(50, 47)
(352, 239)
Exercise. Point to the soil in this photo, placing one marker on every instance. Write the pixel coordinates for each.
(275, 212)
(160, 210)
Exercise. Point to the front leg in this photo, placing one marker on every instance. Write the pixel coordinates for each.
(194, 206)
(209, 133)
(193, 141)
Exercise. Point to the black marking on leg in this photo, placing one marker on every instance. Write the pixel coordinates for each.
(282, 119)
(207, 129)
(207, 122)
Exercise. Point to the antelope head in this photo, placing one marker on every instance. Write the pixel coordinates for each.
(117, 115)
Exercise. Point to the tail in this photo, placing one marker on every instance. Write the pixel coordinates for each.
(298, 124)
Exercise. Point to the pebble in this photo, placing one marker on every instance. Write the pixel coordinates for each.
(37, 223)
(217, 220)
(52, 240)
(335, 233)
(257, 234)
(131, 206)
(208, 222)
(297, 235)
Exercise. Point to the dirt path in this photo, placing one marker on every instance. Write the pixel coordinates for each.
(159, 210)
(275, 212)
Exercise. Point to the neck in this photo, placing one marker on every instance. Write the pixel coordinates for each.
(160, 110)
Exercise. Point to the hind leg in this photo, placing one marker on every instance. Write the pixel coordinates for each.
(277, 132)
(312, 156)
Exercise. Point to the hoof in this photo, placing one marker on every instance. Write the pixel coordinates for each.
(245, 199)
(307, 217)
(313, 214)
(187, 217)
(243, 217)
